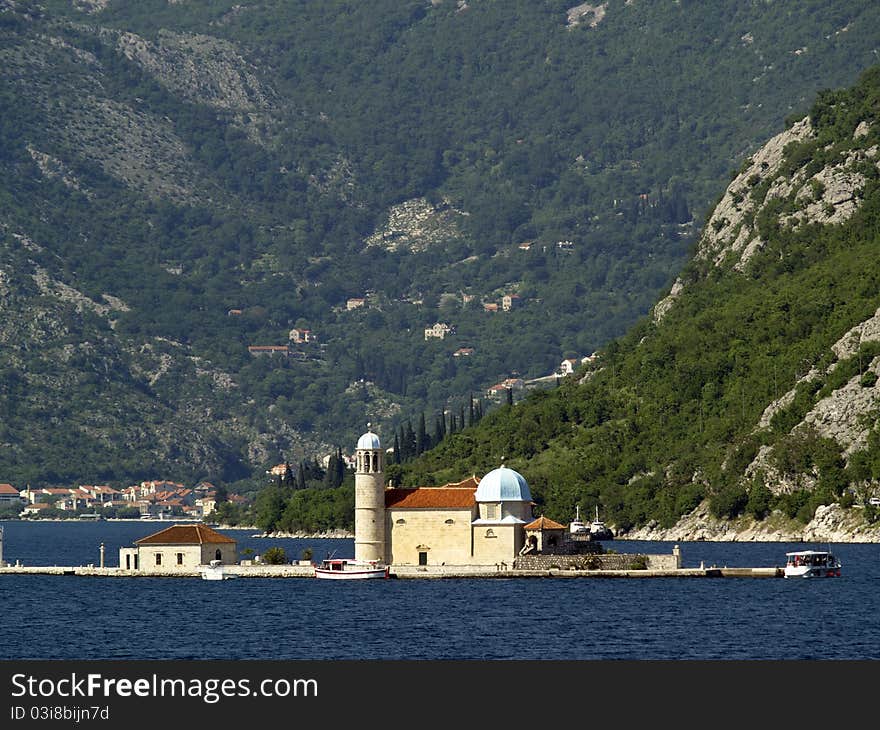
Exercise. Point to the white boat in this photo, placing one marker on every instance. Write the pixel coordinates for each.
(576, 526)
(215, 571)
(599, 530)
(812, 564)
(351, 569)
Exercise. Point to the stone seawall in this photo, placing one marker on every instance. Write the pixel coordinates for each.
(240, 571)
(605, 561)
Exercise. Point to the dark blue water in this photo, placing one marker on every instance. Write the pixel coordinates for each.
(70, 617)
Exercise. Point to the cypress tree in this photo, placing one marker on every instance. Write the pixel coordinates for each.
(340, 468)
(421, 436)
(409, 439)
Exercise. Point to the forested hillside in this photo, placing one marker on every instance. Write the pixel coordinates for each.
(183, 181)
(752, 387)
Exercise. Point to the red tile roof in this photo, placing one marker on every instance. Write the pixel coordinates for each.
(431, 497)
(8, 489)
(197, 534)
(544, 523)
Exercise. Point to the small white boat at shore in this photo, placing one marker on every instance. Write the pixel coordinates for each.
(812, 564)
(215, 571)
(351, 569)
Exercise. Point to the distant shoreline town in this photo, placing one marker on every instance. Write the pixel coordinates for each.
(153, 499)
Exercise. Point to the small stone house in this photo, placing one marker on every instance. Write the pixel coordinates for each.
(544, 535)
(181, 547)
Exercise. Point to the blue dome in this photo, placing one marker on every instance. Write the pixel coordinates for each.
(369, 441)
(503, 485)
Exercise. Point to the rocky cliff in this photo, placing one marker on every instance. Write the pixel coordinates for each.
(831, 523)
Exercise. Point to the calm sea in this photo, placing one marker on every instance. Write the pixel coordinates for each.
(69, 617)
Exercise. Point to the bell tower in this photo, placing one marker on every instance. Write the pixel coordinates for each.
(369, 499)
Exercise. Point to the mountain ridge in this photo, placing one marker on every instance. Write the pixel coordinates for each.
(182, 181)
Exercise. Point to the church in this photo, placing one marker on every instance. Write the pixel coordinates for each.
(474, 522)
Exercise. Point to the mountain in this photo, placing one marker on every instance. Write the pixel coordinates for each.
(749, 393)
(185, 184)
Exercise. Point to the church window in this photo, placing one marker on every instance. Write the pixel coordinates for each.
(491, 511)
(490, 532)
(180, 558)
(450, 521)
(158, 558)
(401, 521)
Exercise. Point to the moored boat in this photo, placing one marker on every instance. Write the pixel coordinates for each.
(351, 569)
(214, 571)
(811, 564)
(577, 526)
(599, 530)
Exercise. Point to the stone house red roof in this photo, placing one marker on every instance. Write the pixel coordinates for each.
(196, 534)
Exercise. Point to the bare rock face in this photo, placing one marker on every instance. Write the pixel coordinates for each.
(831, 523)
(416, 225)
(207, 70)
(830, 196)
(727, 230)
(724, 231)
(585, 14)
(840, 416)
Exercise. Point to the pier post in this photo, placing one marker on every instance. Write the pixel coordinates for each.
(676, 553)
(102, 554)
(1, 548)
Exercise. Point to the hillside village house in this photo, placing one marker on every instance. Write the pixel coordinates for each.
(439, 330)
(355, 303)
(179, 548)
(510, 301)
(508, 384)
(9, 495)
(570, 364)
(300, 336)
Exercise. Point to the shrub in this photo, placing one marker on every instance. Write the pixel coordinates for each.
(869, 379)
(758, 504)
(275, 556)
(728, 502)
(639, 562)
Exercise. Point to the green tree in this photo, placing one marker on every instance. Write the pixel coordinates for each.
(274, 556)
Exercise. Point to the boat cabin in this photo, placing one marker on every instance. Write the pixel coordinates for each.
(813, 558)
